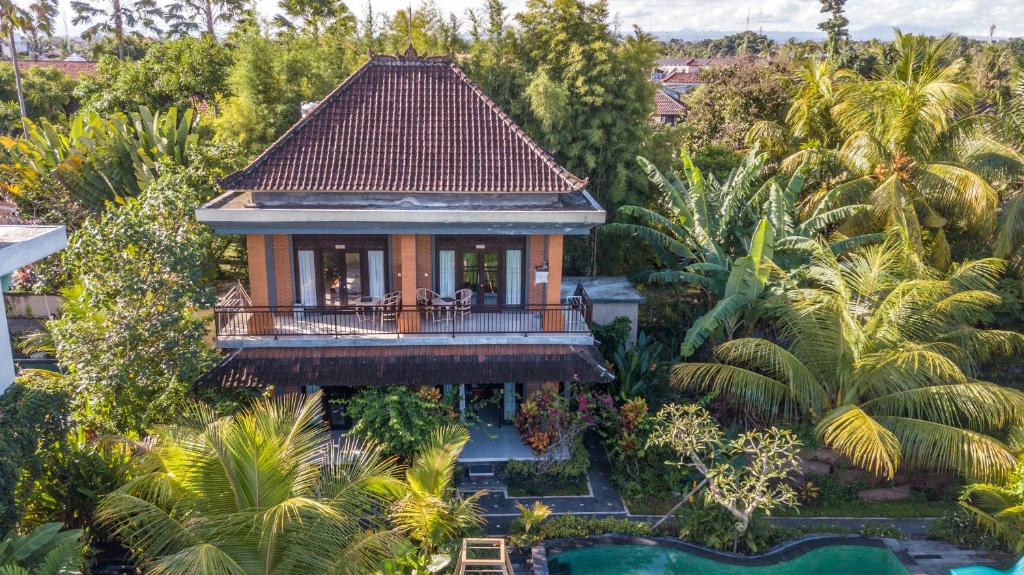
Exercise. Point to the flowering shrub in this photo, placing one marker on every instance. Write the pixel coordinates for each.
(548, 420)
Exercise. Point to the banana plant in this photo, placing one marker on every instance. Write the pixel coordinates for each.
(748, 276)
(99, 160)
(45, 551)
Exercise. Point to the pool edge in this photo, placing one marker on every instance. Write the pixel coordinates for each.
(781, 553)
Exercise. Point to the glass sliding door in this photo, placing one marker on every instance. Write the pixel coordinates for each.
(339, 271)
(490, 267)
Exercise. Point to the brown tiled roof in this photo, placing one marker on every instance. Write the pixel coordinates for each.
(665, 105)
(406, 124)
(408, 365)
(73, 69)
(681, 78)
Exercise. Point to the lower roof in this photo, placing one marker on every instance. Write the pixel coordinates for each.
(408, 365)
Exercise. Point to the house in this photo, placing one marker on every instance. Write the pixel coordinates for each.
(20, 246)
(406, 231)
(667, 109)
(682, 75)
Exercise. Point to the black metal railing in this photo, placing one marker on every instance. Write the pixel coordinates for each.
(572, 317)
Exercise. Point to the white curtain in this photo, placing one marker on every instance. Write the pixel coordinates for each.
(375, 263)
(513, 277)
(307, 278)
(509, 402)
(446, 273)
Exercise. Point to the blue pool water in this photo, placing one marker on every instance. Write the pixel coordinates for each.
(653, 560)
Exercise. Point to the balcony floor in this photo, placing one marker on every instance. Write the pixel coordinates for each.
(291, 325)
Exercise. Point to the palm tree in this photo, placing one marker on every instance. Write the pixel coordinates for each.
(12, 19)
(42, 14)
(881, 364)
(190, 16)
(999, 509)
(913, 148)
(263, 491)
(429, 512)
(117, 17)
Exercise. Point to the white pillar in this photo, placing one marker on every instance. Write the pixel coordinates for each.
(6, 353)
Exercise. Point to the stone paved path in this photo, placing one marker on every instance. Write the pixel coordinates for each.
(500, 510)
(938, 557)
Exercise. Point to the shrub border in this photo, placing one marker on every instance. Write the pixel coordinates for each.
(779, 554)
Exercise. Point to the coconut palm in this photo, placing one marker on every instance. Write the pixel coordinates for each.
(999, 509)
(116, 17)
(881, 364)
(263, 491)
(191, 16)
(913, 149)
(430, 513)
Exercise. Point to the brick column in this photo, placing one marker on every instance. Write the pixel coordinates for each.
(284, 294)
(553, 318)
(260, 323)
(405, 246)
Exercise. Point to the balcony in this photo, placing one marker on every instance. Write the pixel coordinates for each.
(240, 326)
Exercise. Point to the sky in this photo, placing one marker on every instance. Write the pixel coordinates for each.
(871, 18)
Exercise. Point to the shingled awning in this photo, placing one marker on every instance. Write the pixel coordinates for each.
(408, 365)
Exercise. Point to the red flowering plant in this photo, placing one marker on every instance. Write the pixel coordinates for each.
(549, 422)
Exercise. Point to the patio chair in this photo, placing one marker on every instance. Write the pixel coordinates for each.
(461, 308)
(1017, 569)
(389, 307)
(425, 301)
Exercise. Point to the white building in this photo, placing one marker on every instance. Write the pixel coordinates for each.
(19, 247)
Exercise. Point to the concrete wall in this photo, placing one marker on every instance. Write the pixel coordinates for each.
(608, 312)
(30, 305)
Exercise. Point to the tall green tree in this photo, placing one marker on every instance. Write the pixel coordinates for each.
(262, 491)
(836, 26)
(879, 353)
(129, 336)
(116, 17)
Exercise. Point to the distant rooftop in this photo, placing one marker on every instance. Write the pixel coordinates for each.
(406, 124)
(666, 105)
(73, 68)
(603, 289)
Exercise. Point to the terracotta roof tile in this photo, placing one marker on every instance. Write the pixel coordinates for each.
(406, 124)
(408, 365)
(665, 105)
(72, 68)
(681, 78)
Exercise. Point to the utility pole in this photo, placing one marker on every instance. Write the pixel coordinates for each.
(991, 33)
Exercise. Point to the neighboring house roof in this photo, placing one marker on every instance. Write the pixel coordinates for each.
(405, 124)
(74, 69)
(665, 105)
(681, 78)
(347, 366)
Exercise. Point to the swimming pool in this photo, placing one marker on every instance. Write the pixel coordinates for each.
(653, 557)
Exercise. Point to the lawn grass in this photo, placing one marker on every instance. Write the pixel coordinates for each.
(909, 509)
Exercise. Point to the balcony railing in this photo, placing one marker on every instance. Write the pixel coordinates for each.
(573, 317)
